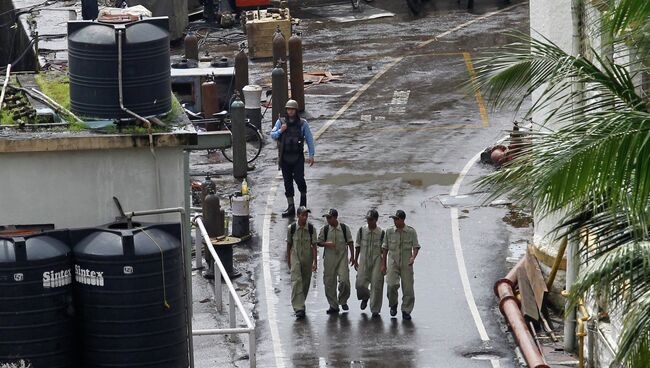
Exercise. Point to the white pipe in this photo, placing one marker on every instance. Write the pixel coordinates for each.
(572, 250)
(222, 331)
(55, 104)
(4, 86)
(119, 81)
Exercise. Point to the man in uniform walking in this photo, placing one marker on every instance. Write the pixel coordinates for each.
(301, 259)
(368, 246)
(336, 238)
(399, 250)
(292, 132)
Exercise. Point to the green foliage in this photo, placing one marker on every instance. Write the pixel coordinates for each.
(589, 158)
(56, 86)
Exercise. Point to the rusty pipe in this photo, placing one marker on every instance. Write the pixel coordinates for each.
(509, 307)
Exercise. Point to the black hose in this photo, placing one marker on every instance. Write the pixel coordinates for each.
(30, 44)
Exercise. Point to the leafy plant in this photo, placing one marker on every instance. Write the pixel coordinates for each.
(589, 159)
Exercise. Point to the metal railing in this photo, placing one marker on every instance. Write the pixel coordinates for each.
(219, 273)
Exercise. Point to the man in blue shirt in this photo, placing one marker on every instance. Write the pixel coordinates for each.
(292, 132)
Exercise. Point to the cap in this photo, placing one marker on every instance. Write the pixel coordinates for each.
(372, 214)
(331, 213)
(399, 214)
(302, 209)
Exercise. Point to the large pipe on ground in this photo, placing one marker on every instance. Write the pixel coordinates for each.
(296, 71)
(509, 307)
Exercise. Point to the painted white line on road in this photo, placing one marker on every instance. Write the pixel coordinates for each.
(354, 98)
(268, 283)
(469, 23)
(399, 101)
(460, 258)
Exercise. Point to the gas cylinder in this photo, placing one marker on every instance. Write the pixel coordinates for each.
(241, 71)
(209, 98)
(207, 186)
(213, 215)
(279, 87)
(279, 49)
(191, 46)
(296, 71)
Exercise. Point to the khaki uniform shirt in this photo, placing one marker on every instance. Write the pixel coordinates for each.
(301, 242)
(400, 243)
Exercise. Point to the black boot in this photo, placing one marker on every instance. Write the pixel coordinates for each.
(291, 209)
(303, 199)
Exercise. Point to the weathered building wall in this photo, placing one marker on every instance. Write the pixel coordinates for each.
(75, 188)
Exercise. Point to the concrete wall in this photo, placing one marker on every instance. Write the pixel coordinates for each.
(75, 188)
(549, 19)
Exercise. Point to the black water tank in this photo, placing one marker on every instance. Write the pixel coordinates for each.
(36, 315)
(93, 68)
(129, 295)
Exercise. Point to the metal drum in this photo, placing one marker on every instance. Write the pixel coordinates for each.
(129, 294)
(93, 68)
(36, 321)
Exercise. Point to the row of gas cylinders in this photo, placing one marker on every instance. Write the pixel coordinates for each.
(112, 296)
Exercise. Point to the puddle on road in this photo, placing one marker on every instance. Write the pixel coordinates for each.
(517, 217)
(420, 180)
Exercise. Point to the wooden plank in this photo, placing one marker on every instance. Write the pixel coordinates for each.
(528, 304)
(536, 279)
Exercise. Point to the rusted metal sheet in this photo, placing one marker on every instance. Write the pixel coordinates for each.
(536, 279)
(528, 305)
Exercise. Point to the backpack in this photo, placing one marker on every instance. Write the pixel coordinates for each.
(344, 228)
(381, 238)
(310, 227)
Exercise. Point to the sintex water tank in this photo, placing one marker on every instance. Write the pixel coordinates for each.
(129, 295)
(93, 68)
(36, 321)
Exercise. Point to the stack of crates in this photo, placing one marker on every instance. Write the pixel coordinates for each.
(260, 28)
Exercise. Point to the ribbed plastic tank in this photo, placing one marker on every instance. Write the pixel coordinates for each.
(93, 68)
(129, 294)
(36, 309)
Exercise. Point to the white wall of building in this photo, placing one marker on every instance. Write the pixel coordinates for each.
(76, 188)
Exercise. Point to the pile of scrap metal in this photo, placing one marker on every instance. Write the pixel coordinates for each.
(500, 153)
(521, 301)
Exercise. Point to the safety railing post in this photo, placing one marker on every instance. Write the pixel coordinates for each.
(218, 296)
(198, 249)
(234, 302)
(252, 355)
(233, 316)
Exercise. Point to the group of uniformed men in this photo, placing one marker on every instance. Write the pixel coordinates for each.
(373, 253)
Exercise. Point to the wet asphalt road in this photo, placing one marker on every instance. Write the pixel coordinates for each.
(378, 154)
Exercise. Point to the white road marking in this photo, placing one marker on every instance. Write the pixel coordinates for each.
(399, 101)
(268, 284)
(458, 249)
(354, 98)
(366, 117)
(266, 232)
(460, 258)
